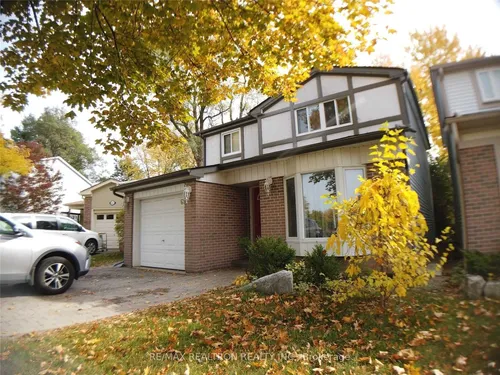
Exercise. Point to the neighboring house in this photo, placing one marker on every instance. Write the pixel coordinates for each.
(265, 174)
(468, 100)
(100, 207)
(72, 183)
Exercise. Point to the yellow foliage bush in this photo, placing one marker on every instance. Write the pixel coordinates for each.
(384, 227)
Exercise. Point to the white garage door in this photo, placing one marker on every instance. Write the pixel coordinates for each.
(105, 223)
(162, 233)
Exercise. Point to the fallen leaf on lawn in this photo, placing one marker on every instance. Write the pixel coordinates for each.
(438, 314)
(436, 372)
(317, 370)
(59, 349)
(398, 370)
(146, 371)
(461, 362)
(347, 319)
(406, 354)
(308, 311)
(4, 355)
(329, 369)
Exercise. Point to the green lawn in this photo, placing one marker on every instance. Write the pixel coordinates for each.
(106, 259)
(224, 331)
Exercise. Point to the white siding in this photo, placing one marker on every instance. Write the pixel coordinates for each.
(331, 137)
(285, 146)
(365, 81)
(333, 84)
(251, 139)
(276, 128)
(460, 93)
(282, 104)
(232, 159)
(309, 141)
(377, 103)
(308, 92)
(159, 191)
(212, 149)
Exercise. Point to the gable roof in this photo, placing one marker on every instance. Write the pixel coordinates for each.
(390, 72)
(68, 165)
(89, 190)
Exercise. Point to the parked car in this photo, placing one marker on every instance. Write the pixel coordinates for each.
(48, 261)
(61, 225)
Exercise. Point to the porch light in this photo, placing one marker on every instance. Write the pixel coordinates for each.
(187, 194)
(267, 185)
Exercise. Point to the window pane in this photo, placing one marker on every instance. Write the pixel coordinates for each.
(302, 121)
(6, 228)
(227, 144)
(314, 121)
(496, 82)
(344, 113)
(46, 222)
(25, 220)
(331, 118)
(291, 207)
(352, 181)
(484, 81)
(100, 217)
(68, 225)
(235, 141)
(319, 218)
(110, 217)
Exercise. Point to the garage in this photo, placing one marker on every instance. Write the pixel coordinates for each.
(105, 223)
(162, 232)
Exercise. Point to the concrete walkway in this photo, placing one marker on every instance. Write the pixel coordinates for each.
(104, 292)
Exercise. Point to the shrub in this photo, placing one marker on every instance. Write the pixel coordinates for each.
(383, 224)
(486, 265)
(300, 273)
(320, 266)
(267, 255)
(458, 275)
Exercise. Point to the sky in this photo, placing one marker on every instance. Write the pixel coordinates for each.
(477, 23)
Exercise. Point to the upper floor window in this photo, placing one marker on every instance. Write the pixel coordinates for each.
(231, 142)
(324, 115)
(489, 84)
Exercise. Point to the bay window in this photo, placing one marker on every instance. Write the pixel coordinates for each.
(320, 220)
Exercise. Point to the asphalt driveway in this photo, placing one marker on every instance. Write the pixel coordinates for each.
(104, 292)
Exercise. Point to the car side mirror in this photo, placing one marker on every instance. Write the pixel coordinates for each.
(18, 232)
(81, 229)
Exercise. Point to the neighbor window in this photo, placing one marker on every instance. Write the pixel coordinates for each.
(231, 142)
(110, 217)
(308, 119)
(338, 112)
(319, 218)
(291, 207)
(100, 217)
(489, 84)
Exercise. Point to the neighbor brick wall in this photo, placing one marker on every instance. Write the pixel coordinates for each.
(272, 209)
(216, 216)
(128, 228)
(481, 198)
(87, 212)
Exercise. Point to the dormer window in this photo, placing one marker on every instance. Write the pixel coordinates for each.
(231, 142)
(489, 84)
(321, 116)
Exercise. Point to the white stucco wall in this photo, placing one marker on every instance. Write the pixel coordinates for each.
(251, 139)
(212, 151)
(276, 128)
(377, 103)
(333, 84)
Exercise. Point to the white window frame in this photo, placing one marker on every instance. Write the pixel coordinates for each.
(322, 116)
(496, 92)
(230, 132)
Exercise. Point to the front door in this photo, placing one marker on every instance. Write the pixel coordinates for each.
(255, 207)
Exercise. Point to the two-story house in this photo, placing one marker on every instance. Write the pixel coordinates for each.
(265, 174)
(467, 96)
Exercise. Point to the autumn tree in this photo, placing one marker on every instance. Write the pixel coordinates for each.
(58, 136)
(432, 47)
(139, 64)
(13, 159)
(126, 169)
(383, 226)
(37, 191)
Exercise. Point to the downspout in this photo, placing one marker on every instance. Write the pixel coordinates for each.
(118, 195)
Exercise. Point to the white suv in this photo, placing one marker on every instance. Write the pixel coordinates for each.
(60, 225)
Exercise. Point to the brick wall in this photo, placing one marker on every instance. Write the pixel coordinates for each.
(272, 209)
(481, 198)
(87, 212)
(128, 223)
(216, 216)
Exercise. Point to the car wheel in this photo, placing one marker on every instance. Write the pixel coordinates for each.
(91, 245)
(54, 275)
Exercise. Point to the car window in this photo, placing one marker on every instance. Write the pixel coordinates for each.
(68, 225)
(24, 219)
(6, 227)
(46, 222)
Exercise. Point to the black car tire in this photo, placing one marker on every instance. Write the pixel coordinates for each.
(92, 246)
(54, 275)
